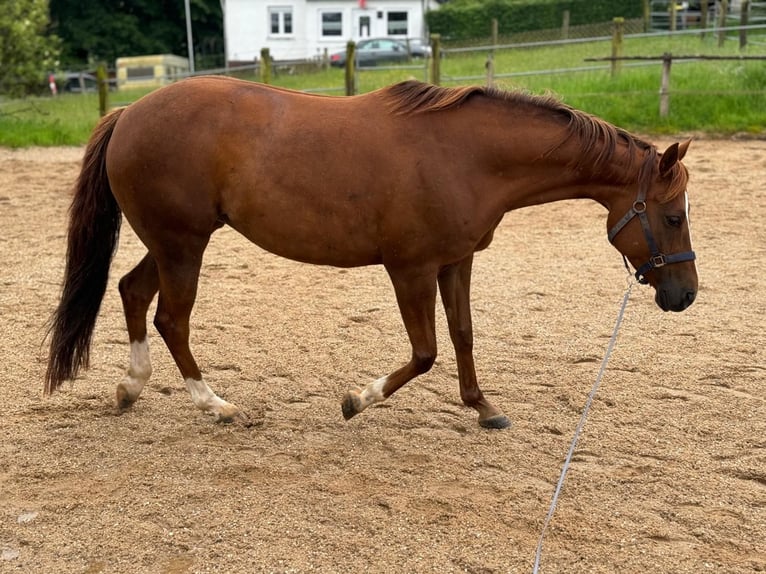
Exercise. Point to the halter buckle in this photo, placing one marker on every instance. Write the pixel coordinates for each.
(658, 260)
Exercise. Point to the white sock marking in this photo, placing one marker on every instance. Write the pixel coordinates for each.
(204, 398)
(140, 368)
(373, 393)
(140, 362)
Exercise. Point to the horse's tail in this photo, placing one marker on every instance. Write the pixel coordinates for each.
(94, 228)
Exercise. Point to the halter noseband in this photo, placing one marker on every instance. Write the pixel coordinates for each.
(657, 259)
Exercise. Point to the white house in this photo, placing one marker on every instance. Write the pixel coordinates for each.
(298, 29)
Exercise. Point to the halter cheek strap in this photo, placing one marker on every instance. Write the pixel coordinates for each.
(657, 259)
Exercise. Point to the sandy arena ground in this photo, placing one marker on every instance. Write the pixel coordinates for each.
(669, 475)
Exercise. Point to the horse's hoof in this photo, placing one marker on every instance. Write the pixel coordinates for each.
(496, 422)
(351, 405)
(125, 400)
(231, 413)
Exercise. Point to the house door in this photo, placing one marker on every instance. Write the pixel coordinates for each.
(364, 26)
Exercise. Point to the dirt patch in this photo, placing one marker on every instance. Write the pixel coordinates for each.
(669, 476)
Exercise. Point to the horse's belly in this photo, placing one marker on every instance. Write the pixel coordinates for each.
(317, 244)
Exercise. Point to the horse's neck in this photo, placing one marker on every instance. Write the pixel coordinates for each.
(544, 176)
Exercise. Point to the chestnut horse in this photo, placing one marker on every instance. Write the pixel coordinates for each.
(413, 177)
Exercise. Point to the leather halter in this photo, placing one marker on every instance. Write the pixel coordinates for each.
(656, 259)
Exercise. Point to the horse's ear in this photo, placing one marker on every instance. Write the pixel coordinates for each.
(683, 148)
(672, 155)
(669, 158)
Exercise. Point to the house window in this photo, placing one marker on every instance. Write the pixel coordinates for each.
(332, 23)
(397, 24)
(281, 20)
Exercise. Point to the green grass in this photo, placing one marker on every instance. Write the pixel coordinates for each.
(715, 97)
(45, 122)
(65, 120)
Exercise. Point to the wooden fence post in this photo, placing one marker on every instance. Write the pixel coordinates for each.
(647, 16)
(103, 89)
(722, 22)
(436, 58)
(490, 65)
(703, 18)
(667, 60)
(617, 35)
(265, 66)
(350, 68)
(565, 25)
(674, 15)
(743, 17)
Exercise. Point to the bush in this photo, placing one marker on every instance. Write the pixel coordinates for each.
(467, 19)
(27, 52)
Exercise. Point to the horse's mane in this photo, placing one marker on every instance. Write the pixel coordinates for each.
(599, 138)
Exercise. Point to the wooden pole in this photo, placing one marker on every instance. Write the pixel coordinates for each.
(674, 15)
(617, 35)
(189, 38)
(350, 68)
(436, 57)
(667, 60)
(490, 65)
(265, 66)
(722, 22)
(103, 89)
(565, 25)
(703, 17)
(647, 16)
(743, 16)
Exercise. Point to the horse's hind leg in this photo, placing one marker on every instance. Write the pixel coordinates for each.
(137, 290)
(178, 277)
(455, 288)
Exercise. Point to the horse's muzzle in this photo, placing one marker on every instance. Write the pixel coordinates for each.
(674, 299)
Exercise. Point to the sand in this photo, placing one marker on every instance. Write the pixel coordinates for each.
(669, 474)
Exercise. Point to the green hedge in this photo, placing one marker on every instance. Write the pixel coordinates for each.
(467, 19)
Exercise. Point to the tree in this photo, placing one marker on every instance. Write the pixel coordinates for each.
(27, 51)
(104, 30)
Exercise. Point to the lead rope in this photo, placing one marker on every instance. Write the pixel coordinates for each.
(581, 424)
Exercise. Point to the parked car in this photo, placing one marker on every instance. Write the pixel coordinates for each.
(79, 82)
(374, 51)
(419, 48)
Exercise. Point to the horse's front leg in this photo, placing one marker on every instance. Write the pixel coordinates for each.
(455, 288)
(416, 295)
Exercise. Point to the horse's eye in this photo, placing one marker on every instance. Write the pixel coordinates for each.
(674, 220)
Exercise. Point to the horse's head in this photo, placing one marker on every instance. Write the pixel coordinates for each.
(654, 232)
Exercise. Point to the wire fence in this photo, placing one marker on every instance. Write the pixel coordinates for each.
(667, 41)
(573, 51)
(505, 60)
